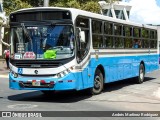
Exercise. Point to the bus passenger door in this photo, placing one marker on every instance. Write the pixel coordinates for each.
(82, 55)
(82, 40)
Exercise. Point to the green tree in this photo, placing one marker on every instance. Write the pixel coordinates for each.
(13, 5)
(34, 3)
(66, 3)
(89, 5)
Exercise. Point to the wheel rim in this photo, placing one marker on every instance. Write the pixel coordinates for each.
(97, 83)
(141, 74)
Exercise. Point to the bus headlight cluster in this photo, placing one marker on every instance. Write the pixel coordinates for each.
(15, 75)
(63, 73)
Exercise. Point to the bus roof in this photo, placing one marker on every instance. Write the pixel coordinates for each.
(77, 12)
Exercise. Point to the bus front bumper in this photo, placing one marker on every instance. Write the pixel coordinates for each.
(42, 83)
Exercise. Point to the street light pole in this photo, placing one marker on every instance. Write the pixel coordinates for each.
(46, 3)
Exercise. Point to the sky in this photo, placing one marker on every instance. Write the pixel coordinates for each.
(145, 11)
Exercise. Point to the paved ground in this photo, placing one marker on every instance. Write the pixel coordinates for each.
(3, 69)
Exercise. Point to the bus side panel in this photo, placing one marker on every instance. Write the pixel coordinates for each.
(91, 71)
(153, 62)
(128, 70)
(79, 79)
(135, 66)
(113, 70)
(114, 73)
(119, 68)
(85, 78)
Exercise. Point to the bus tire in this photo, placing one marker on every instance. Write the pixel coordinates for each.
(98, 83)
(140, 77)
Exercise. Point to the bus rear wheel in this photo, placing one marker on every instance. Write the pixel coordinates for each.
(98, 83)
(140, 78)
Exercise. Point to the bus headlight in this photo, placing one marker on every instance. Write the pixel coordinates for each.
(15, 75)
(59, 75)
(65, 72)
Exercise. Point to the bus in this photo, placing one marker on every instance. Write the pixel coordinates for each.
(55, 49)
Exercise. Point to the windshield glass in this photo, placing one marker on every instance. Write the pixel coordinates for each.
(42, 42)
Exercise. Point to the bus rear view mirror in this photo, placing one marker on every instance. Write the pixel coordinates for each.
(82, 36)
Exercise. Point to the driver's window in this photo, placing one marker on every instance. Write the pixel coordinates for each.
(82, 36)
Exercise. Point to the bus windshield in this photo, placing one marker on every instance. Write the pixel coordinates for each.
(42, 42)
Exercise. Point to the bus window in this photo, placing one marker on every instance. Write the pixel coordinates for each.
(128, 43)
(117, 29)
(97, 41)
(137, 43)
(97, 34)
(145, 33)
(108, 28)
(155, 34)
(96, 27)
(119, 42)
(82, 30)
(136, 32)
(152, 34)
(153, 44)
(82, 22)
(127, 31)
(108, 42)
(146, 43)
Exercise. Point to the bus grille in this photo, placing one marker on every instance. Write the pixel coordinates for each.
(36, 64)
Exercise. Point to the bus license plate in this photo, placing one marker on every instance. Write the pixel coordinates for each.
(36, 83)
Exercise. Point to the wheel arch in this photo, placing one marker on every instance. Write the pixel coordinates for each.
(101, 68)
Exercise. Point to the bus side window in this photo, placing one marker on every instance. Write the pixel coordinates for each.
(137, 43)
(82, 42)
(82, 37)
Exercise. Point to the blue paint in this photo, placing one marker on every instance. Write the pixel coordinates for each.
(116, 68)
(20, 70)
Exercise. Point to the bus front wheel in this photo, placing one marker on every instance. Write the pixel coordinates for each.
(140, 78)
(98, 83)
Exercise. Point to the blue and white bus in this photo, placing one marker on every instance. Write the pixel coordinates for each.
(55, 49)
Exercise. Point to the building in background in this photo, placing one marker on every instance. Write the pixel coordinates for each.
(119, 10)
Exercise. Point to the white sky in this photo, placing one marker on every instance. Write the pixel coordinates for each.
(145, 11)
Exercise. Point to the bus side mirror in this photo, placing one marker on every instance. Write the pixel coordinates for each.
(82, 36)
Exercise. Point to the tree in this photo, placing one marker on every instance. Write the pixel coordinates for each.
(13, 5)
(34, 3)
(89, 5)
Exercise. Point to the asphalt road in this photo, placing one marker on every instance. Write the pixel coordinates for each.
(119, 96)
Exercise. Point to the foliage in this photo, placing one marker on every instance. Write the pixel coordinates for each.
(34, 3)
(89, 5)
(13, 5)
(65, 3)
